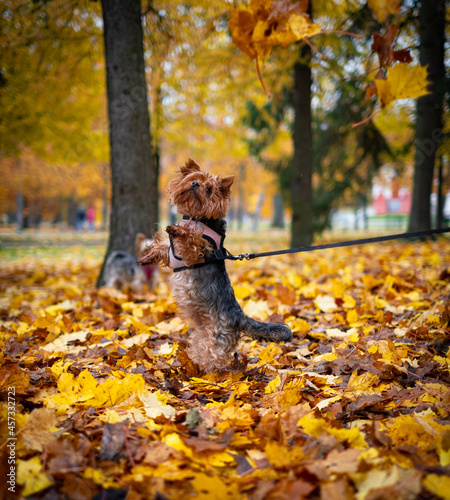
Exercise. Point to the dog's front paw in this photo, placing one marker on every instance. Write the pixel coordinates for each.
(175, 231)
(188, 243)
(157, 252)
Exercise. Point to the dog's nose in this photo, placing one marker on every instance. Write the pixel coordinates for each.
(195, 184)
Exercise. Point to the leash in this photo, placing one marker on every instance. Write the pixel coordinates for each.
(377, 239)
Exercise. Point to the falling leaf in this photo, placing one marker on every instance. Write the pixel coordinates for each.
(264, 24)
(402, 82)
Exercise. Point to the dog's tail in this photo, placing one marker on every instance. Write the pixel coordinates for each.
(266, 331)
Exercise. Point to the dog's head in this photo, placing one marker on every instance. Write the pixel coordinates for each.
(199, 194)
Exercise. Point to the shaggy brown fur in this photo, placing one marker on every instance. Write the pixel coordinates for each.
(202, 289)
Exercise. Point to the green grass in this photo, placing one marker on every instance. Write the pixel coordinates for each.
(17, 253)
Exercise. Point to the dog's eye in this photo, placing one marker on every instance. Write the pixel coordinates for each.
(208, 190)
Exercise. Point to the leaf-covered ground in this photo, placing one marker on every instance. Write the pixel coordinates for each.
(108, 405)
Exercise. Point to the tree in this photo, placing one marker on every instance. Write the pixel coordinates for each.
(301, 177)
(429, 110)
(133, 173)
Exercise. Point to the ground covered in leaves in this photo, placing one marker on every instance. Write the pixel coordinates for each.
(100, 400)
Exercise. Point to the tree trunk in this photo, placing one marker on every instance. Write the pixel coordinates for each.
(257, 214)
(20, 205)
(105, 191)
(20, 200)
(278, 212)
(157, 129)
(429, 111)
(133, 176)
(301, 182)
(440, 223)
(241, 197)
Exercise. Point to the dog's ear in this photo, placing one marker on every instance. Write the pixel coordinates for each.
(189, 167)
(225, 184)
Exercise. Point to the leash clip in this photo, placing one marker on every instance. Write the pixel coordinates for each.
(243, 256)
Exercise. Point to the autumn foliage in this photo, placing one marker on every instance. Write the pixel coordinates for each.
(356, 407)
(257, 28)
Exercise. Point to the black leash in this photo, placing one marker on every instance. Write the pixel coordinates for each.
(377, 239)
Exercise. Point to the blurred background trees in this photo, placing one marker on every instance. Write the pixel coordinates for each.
(206, 102)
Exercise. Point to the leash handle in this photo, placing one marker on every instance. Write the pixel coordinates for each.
(376, 239)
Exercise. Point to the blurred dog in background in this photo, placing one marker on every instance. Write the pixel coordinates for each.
(121, 269)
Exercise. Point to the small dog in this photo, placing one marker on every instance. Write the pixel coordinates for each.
(121, 269)
(200, 283)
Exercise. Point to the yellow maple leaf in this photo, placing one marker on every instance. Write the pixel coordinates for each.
(422, 433)
(111, 417)
(438, 485)
(243, 291)
(99, 477)
(155, 404)
(85, 390)
(402, 82)
(349, 301)
(290, 395)
(317, 426)
(234, 416)
(281, 456)
(209, 487)
(352, 316)
(273, 385)
(301, 27)
(268, 354)
(174, 441)
(29, 476)
(114, 390)
(298, 325)
(364, 382)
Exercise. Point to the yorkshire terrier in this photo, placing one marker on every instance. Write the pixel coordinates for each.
(200, 283)
(121, 270)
